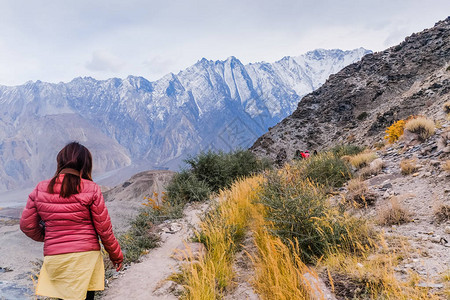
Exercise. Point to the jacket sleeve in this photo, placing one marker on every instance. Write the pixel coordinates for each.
(103, 226)
(29, 221)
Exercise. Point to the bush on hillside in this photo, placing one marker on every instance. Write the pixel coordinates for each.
(374, 168)
(185, 187)
(408, 166)
(393, 214)
(299, 212)
(326, 169)
(210, 172)
(359, 194)
(362, 160)
(140, 237)
(421, 126)
(395, 131)
(446, 107)
(343, 150)
(219, 169)
(442, 212)
(446, 166)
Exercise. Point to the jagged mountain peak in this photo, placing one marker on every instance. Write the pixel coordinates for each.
(83, 79)
(138, 83)
(233, 60)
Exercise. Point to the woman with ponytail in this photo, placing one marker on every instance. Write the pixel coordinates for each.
(69, 215)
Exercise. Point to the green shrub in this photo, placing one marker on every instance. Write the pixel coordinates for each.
(210, 168)
(326, 169)
(244, 163)
(140, 236)
(210, 172)
(362, 116)
(218, 169)
(343, 150)
(185, 187)
(299, 211)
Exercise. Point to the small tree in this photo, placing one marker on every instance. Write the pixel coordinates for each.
(395, 131)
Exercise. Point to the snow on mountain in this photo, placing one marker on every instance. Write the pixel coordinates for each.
(137, 124)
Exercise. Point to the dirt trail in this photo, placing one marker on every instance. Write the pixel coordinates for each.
(146, 280)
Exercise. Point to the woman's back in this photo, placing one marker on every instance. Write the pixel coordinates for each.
(68, 214)
(71, 224)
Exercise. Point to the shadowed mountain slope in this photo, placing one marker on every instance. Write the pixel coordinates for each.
(359, 102)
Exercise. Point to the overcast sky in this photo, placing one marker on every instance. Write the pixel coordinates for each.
(59, 40)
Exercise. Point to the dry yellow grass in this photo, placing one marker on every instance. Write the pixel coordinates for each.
(209, 277)
(408, 166)
(445, 279)
(279, 273)
(446, 165)
(442, 212)
(446, 107)
(358, 193)
(373, 277)
(362, 159)
(393, 214)
(422, 126)
(346, 158)
(374, 168)
(357, 185)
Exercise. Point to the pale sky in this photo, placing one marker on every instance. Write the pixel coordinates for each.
(59, 40)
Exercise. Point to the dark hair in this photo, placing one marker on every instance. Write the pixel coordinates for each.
(72, 156)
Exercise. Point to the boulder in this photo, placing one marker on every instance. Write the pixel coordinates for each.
(410, 138)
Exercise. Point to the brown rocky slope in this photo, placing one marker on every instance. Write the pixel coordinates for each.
(358, 103)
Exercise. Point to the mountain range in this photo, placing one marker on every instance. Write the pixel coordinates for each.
(133, 124)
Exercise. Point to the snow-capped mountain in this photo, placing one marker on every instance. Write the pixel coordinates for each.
(139, 124)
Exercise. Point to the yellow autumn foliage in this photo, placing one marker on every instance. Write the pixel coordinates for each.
(395, 131)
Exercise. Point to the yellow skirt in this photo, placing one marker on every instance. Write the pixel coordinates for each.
(71, 275)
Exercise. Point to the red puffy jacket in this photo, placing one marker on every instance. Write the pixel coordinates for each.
(71, 224)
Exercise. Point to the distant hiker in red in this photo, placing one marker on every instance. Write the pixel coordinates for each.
(69, 215)
(306, 154)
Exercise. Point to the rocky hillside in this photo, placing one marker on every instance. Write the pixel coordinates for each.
(359, 102)
(139, 125)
